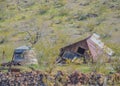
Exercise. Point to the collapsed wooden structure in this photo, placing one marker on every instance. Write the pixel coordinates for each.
(91, 46)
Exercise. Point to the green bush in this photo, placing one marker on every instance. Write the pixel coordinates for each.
(63, 12)
(116, 64)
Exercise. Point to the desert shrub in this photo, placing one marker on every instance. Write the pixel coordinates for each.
(63, 12)
(100, 65)
(33, 66)
(8, 51)
(2, 15)
(90, 27)
(116, 64)
(116, 29)
(26, 3)
(23, 17)
(58, 4)
(1, 19)
(42, 11)
(82, 17)
(2, 40)
(115, 47)
(106, 36)
(39, 57)
(4, 35)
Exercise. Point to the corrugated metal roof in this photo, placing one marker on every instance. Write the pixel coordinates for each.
(23, 47)
(96, 39)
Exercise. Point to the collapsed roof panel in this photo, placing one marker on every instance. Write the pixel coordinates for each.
(70, 55)
(94, 49)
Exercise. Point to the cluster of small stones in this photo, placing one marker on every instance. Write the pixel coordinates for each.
(37, 78)
(21, 79)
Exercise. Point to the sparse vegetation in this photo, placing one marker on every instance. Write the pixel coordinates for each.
(48, 25)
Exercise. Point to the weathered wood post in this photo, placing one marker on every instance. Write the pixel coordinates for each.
(3, 57)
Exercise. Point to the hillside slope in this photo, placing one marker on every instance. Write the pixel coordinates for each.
(58, 23)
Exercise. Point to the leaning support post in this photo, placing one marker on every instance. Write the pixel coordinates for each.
(10, 66)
